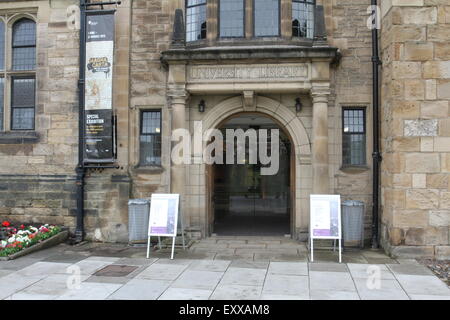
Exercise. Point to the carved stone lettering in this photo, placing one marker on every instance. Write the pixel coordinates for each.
(226, 73)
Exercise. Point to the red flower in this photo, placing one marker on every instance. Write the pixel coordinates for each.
(43, 230)
(22, 226)
(6, 224)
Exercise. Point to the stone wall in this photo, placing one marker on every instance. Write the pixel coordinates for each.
(415, 127)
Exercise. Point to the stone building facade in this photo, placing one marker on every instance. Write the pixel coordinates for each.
(309, 85)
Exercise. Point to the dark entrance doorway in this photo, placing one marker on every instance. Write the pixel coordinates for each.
(245, 202)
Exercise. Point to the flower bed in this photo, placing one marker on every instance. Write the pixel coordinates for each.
(17, 239)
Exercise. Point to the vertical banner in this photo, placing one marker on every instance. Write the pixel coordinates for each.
(98, 87)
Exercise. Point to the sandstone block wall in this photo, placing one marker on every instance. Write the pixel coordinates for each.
(415, 134)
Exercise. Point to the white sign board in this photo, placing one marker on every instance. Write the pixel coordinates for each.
(163, 220)
(163, 215)
(325, 219)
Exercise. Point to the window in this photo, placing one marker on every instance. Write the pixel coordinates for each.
(267, 17)
(17, 74)
(150, 138)
(22, 103)
(303, 18)
(195, 20)
(354, 136)
(231, 18)
(24, 45)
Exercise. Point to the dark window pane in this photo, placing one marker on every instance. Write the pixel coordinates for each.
(24, 45)
(303, 18)
(2, 107)
(150, 138)
(2, 45)
(195, 20)
(22, 103)
(231, 18)
(354, 137)
(23, 118)
(23, 92)
(267, 18)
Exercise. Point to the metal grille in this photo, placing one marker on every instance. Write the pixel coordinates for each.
(24, 45)
(303, 18)
(267, 17)
(231, 18)
(138, 213)
(195, 20)
(150, 138)
(354, 136)
(23, 102)
(353, 222)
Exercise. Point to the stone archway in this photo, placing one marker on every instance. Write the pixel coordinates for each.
(301, 147)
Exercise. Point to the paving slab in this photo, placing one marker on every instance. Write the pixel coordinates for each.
(88, 267)
(184, 262)
(280, 257)
(365, 271)
(332, 281)
(236, 292)
(333, 295)
(410, 269)
(13, 283)
(249, 264)
(185, 294)
(162, 271)
(43, 269)
(327, 267)
(90, 291)
(422, 285)
(65, 257)
(193, 279)
(278, 284)
(289, 268)
(5, 272)
(386, 289)
(101, 279)
(210, 265)
(135, 261)
(281, 297)
(141, 289)
(241, 256)
(17, 264)
(428, 297)
(52, 286)
(244, 276)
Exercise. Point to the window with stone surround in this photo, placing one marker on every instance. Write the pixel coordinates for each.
(150, 138)
(249, 20)
(195, 20)
(303, 18)
(353, 136)
(17, 73)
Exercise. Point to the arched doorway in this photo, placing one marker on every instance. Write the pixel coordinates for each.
(247, 202)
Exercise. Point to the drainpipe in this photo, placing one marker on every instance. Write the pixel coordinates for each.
(80, 169)
(376, 156)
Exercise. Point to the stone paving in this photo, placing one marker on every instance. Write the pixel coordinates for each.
(218, 268)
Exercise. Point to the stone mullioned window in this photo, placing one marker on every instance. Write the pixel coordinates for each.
(17, 72)
(249, 19)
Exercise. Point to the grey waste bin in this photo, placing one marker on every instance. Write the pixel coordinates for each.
(353, 223)
(138, 213)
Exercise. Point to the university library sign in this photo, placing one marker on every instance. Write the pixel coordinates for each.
(248, 73)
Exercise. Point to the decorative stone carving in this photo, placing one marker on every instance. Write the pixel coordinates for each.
(253, 73)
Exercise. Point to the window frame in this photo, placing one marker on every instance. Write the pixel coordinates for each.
(187, 7)
(364, 133)
(254, 21)
(310, 2)
(244, 24)
(8, 74)
(13, 25)
(141, 120)
(12, 107)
